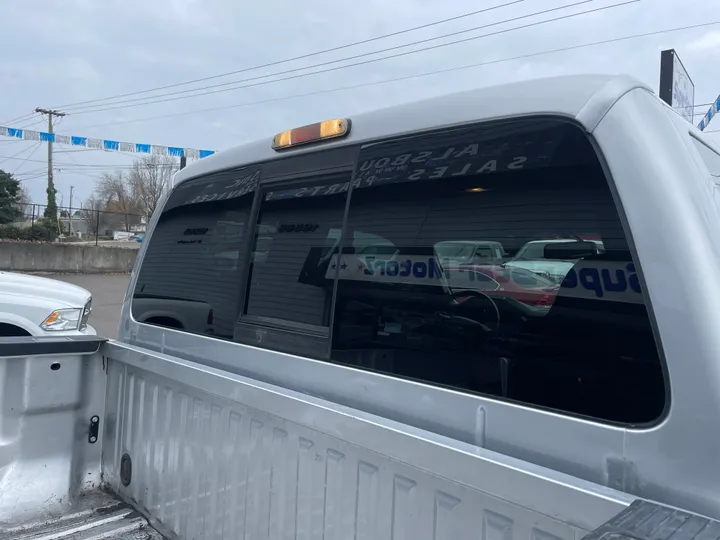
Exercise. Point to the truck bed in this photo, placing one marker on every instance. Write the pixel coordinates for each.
(96, 516)
(209, 455)
(213, 455)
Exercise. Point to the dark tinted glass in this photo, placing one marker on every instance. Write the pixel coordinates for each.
(190, 276)
(297, 229)
(564, 326)
(531, 251)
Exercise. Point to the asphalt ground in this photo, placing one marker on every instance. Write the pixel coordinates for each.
(108, 291)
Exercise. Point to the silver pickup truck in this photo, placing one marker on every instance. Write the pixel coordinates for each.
(330, 390)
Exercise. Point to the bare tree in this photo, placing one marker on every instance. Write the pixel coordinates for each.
(23, 205)
(91, 213)
(134, 193)
(23, 197)
(149, 178)
(115, 191)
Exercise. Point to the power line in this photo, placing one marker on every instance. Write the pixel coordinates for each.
(130, 103)
(72, 158)
(295, 96)
(14, 156)
(67, 165)
(31, 173)
(13, 141)
(23, 118)
(301, 57)
(409, 77)
(42, 175)
(31, 124)
(33, 170)
(136, 101)
(512, 19)
(26, 159)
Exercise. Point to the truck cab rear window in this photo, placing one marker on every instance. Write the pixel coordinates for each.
(488, 259)
(505, 272)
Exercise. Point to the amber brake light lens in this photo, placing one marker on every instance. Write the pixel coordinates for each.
(329, 129)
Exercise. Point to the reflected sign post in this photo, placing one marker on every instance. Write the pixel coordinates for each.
(676, 86)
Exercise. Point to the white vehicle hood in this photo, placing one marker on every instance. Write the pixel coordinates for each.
(54, 291)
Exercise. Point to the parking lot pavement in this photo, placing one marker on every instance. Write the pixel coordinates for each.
(108, 291)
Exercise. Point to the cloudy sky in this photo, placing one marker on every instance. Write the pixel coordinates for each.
(62, 52)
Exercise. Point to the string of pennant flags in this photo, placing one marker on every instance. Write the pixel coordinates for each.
(714, 108)
(104, 144)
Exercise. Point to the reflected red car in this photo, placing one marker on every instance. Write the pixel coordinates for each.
(498, 281)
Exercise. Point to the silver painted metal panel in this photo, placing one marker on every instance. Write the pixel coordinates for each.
(46, 463)
(218, 456)
(674, 220)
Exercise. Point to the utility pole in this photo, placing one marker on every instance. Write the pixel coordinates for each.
(51, 208)
(70, 212)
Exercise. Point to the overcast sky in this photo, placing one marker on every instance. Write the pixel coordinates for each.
(62, 52)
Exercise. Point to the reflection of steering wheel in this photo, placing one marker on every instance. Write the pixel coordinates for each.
(456, 295)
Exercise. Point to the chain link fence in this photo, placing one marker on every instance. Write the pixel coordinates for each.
(73, 225)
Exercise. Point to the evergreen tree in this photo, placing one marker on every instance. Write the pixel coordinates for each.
(10, 198)
(51, 209)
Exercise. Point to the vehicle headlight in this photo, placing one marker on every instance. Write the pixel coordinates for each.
(63, 319)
